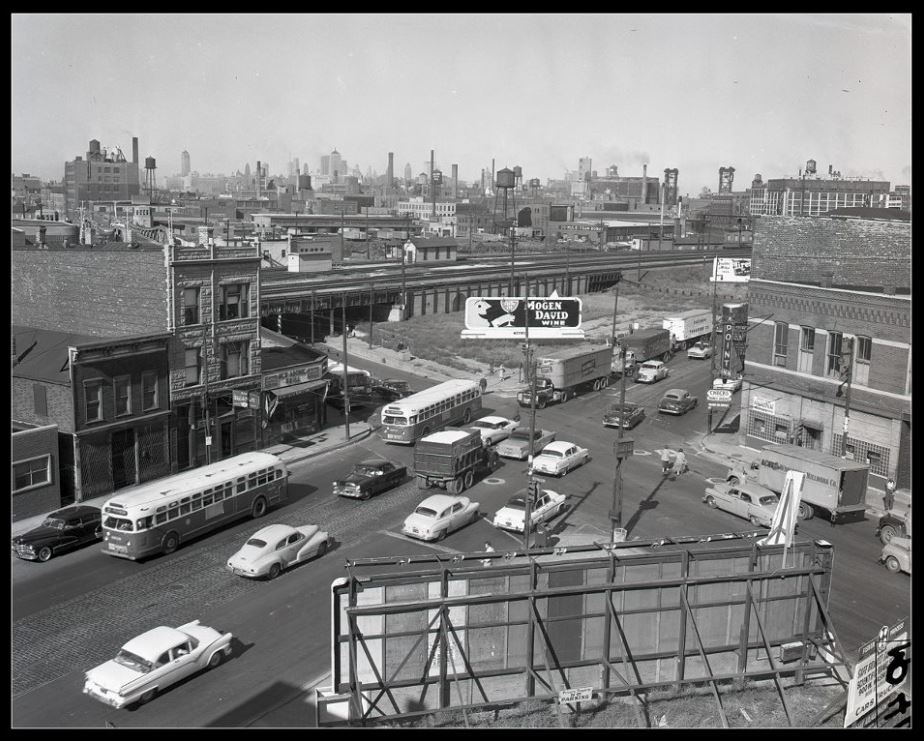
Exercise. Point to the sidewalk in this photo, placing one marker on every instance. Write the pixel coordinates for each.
(294, 451)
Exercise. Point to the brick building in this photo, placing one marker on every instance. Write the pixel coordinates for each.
(818, 286)
(105, 175)
(34, 477)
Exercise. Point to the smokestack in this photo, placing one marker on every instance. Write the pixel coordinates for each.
(390, 176)
(259, 173)
(455, 181)
(135, 149)
(492, 173)
(482, 181)
(644, 184)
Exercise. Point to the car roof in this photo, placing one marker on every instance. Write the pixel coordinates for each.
(652, 362)
(492, 419)
(271, 532)
(375, 462)
(153, 643)
(679, 392)
(441, 501)
(77, 510)
(557, 445)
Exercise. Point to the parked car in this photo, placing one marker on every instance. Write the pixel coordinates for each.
(700, 351)
(628, 415)
(677, 401)
(517, 445)
(276, 547)
(368, 478)
(651, 371)
(397, 384)
(380, 394)
(438, 515)
(892, 525)
(730, 384)
(896, 555)
(512, 516)
(62, 530)
(559, 457)
(750, 501)
(153, 661)
(494, 429)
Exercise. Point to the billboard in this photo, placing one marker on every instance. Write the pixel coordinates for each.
(731, 269)
(559, 213)
(507, 317)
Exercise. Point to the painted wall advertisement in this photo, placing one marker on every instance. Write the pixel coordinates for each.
(731, 269)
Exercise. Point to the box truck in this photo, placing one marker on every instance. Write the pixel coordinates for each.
(561, 374)
(647, 344)
(833, 486)
(451, 460)
(688, 327)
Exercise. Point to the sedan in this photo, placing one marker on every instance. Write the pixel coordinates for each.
(700, 351)
(494, 429)
(750, 501)
(677, 401)
(517, 445)
(368, 478)
(155, 660)
(628, 415)
(439, 515)
(651, 371)
(277, 547)
(557, 458)
(62, 530)
(728, 384)
(896, 555)
(546, 506)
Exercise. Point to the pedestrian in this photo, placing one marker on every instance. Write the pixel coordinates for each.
(483, 383)
(501, 372)
(488, 549)
(889, 499)
(667, 459)
(680, 463)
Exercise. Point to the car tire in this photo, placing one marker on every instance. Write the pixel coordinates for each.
(147, 696)
(274, 571)
(892, 564)
(711, 502)
(364, 495)
(170, 543)
(44, 554)
(441, 535)
(259, 508)
(806, 511)
(469, 479)
(733, 480)
(886, 533)
(98, 533)
(215, 659)
(754, 521)
(540, 404)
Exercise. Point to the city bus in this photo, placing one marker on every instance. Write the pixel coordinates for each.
(156, 517)
(409, 419)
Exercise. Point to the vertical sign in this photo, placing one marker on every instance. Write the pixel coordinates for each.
(881, 671)
(726, 351)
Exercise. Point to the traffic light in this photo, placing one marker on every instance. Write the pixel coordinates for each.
(533, 488)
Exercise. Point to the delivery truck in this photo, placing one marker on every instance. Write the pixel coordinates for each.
(452, 459)
(833, 486)
(560, 375)
(647, 344)
(688, 327)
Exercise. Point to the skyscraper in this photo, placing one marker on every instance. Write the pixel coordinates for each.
(407, 172)
(184, 163)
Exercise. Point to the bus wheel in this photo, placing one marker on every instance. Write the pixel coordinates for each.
(426, 432)
(806, 511)
(259, 507)
(469, 479)
(466, 416)
(170, 543)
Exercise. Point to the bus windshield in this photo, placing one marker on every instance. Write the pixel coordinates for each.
(117, 523)
(390, 420)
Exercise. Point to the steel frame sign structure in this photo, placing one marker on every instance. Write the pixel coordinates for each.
(416, 635)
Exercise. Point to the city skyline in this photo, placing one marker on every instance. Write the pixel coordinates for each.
(760, 93)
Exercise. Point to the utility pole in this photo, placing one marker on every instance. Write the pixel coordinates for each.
(846, 368)
(510, 291)
(312, 317)
(205, 394)
(530, 480)
(619, 447)
(346, 388)
(371, 303)
(715, 289)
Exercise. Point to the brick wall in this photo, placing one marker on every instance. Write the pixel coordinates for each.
(58, 398)
(25, 445)
(106, 370)
(859, 252)
(96, 292)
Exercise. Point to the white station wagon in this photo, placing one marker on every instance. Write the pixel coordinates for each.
(155, 660)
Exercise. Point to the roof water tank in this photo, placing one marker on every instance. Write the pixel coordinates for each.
(506, 178)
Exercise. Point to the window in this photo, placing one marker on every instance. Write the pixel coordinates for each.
(33, 472)
(192, 367)
(808, 339)
(835, 341)
(123, 395)
(190, 306)
(864, 349)
(93, 394)
(149, 391)
(234, 359)
(40, 400)
(234, 301)
(780, 340)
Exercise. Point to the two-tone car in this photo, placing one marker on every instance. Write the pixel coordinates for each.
(62, 530)
(677, 401)
(750, 501)
(727, 384)
(545, 506)
(369, 478)
(896, 555)
(150, 663)
(517, 445)
(628, 415)
(493, 428)
(438, 515)
(651, 371)
(274, 548)
(559, 457)
(699, 351)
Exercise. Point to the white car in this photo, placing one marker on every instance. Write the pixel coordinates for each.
(438, 515)
(494, 429)
(155, 660)
(544, 507)
(731, 384)
(651, 371)
(559, 457)
(276, 547)
(750, 501)
(700, 350)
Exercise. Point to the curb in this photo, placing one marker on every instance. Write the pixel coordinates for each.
(327, 449)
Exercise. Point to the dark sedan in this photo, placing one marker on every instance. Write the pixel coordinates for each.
(369, 478)
(677, 401)
(60, 531)
(628, 415)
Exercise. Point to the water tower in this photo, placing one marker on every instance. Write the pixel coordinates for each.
(149, 166)
(506, 180)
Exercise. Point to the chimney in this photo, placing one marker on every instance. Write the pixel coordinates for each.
(390, 176)
(259, 173)
(455, 181)
(644, 183)
(135, 149)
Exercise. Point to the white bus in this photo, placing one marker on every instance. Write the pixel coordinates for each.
(157, 516)
(416, 416)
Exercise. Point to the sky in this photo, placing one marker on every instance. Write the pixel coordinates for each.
(761, 93)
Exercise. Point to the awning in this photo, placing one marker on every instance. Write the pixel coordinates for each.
(299, 388)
